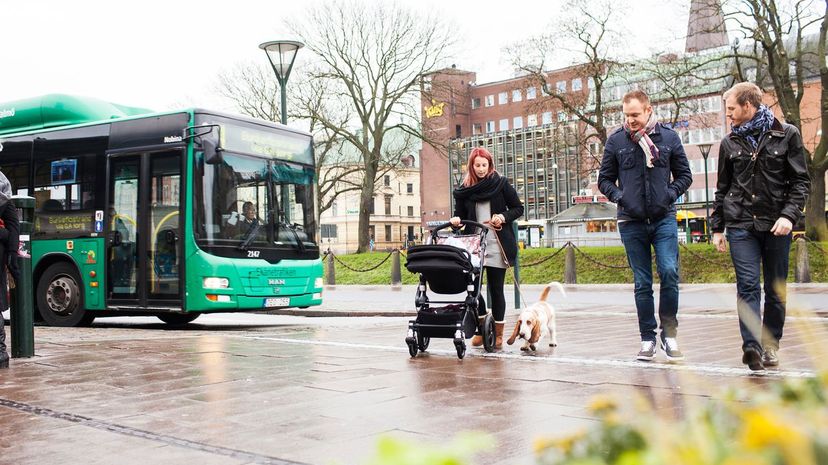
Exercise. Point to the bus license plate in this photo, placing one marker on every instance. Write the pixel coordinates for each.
(277, 302)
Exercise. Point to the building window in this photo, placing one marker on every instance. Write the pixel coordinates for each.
(477, 128)
(504, 124)
(516, 95)
(490, 126)
(410, 233)
(546, 117)
(334, 208)
(387, 233)
(373, 206)
(489, 102)
(458, 130)
(475, 103)
(517, 122)
(576, 84)
(502, 98)
(410, 210)
(560, 86)
(328, 231)
(388, 204)
(409, 188)
(387, 180)
(531, 120)
(531, 93)
(561, 116)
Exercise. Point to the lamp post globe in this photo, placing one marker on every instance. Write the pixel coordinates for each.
(705, 151)
(281, 54)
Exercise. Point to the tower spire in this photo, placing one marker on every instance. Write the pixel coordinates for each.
(705, 26)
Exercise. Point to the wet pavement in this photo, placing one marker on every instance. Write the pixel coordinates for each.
(266, 388)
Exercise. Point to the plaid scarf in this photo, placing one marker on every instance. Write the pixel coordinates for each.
(642, 138)
(758, 125)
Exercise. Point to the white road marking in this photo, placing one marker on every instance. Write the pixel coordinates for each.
(554, 360)
(690, 316)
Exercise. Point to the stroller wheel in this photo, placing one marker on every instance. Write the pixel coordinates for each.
(488, 332)
(422, 342)
(412, 346)
(460, 345)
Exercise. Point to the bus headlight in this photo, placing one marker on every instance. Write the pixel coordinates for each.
(216, 283)
(317, 283)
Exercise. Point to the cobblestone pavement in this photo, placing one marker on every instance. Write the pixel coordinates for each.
(259, 388)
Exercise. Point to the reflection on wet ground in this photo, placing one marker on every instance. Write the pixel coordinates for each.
(275, 389)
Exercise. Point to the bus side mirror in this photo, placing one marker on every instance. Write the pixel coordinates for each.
(212, 152)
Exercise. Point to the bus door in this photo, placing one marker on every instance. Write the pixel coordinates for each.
(144, 220)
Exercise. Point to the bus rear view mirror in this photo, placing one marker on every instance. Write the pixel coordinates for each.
(212, 153)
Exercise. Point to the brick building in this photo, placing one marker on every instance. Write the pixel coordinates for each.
(545, 152)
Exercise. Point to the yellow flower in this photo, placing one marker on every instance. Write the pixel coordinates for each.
(763, 428)
(602, 404)
(564, 444)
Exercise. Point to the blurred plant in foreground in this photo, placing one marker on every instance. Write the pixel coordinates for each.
(784, 425)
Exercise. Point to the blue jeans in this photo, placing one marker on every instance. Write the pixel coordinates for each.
(750, 249)
(638, 238)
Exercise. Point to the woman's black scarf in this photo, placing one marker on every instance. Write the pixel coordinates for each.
(483, 190)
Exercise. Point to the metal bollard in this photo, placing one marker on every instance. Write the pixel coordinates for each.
(570, 276)
(22, 305)
(802, 272)
(396, 275)
(330, 272)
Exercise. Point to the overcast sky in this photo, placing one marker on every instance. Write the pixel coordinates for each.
(164, 54)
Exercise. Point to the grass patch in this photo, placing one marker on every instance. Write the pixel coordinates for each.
(700, 263)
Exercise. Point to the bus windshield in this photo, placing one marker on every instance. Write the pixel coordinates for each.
(251, 206)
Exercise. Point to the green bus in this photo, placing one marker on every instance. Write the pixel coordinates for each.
(168, 214)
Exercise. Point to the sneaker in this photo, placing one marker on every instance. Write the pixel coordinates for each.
(647, 352)
(770, 358)
(671, 349)
(752, 357)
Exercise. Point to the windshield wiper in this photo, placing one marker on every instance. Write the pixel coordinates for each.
(251, 234)
(292, 229)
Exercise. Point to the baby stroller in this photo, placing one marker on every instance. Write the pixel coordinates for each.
(449, 263)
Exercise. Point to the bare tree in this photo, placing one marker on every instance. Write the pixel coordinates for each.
(792, 39)
(372, 58)
(255, 92)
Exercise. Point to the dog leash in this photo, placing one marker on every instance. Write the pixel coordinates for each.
(505, 259)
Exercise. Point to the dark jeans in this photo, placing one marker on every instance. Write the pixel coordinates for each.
(638, 238)
(495, 277)
(750, 249)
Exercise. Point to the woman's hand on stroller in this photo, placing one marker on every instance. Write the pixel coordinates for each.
(455, 221)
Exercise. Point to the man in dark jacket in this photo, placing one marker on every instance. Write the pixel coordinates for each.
(648, 162)
(761, 191)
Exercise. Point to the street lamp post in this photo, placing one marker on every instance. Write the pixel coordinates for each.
(281, 54)
(557, 191)
(705, 151)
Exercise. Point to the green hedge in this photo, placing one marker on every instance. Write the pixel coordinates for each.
(700, 263)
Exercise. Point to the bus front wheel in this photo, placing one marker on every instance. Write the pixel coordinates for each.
(176, 319)
(59, 299)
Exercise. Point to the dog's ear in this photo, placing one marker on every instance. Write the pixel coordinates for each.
(514, 333)
(535, 333)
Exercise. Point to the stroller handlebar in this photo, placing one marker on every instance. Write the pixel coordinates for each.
(434, 230)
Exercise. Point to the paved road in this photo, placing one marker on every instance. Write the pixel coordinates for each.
(259, 388)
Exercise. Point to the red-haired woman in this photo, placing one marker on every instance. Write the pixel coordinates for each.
(486, 197)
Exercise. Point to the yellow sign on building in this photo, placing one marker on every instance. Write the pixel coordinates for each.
(436, 109)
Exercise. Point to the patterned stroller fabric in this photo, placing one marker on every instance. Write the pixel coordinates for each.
(470, 243)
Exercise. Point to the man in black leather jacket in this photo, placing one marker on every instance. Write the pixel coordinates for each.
(760, 194)
(648, 163)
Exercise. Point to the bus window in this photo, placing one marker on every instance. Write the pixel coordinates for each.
(65, 195)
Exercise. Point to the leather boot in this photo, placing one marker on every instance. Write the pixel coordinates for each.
(499, 335)
(4, 355)
(477, 339)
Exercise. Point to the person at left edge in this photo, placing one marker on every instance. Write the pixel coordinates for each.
(9, 237)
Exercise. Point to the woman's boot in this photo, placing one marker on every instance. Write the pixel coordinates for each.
(499, 335)
(4, 356)
(477, 339)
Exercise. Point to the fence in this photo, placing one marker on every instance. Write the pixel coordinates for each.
(572, 255)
